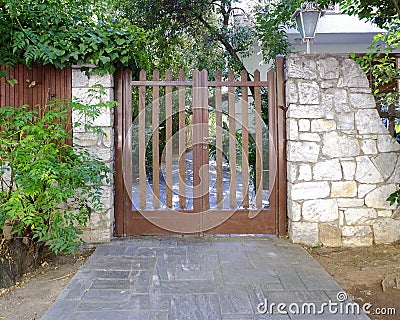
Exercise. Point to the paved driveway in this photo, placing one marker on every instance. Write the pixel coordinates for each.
(237, 278)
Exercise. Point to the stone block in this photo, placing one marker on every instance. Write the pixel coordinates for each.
(304, 233)
(309, 136)
(366, 171)
(108, 138)
(305, 172)
(344, 189)
(309, 93)
(309, 190)
(102, 153)
(386, 230)
(350, 202)
(360, 216)
(369, 122)
(79, 79)
(386, 163)
(369, 146)
(330, 235)
(302, 151)
(357, 236)
(337, 145)
(328, 68)
(327, 170)
(386, 143)
(385, 213)
(360, 90)
(85, 139)
(292, 129)
(320, 210)
(292, 95)
(104, 119)
(107, 80)
(349, 169)
(327, 104)
(323, 125)
(292, 169)
(301, 67)
(395, 178)
(351, 75)
(377, 197)
(327, 84)
(362, 101)
(294, 210)
(304, 111)
(304, 125)
(345, 121)
(356, 231)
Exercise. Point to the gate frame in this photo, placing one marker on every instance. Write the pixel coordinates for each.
(123, 147)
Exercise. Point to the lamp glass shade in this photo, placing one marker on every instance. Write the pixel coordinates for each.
(308, 21)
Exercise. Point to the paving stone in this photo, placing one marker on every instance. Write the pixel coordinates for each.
(186, 287)
(106, 295)
(195, 307)
(234, 299)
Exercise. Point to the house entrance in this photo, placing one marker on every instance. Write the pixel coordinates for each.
(196, 156)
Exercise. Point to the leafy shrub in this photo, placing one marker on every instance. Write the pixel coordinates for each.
(48, 189)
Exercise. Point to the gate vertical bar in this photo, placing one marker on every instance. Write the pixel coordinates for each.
(204, 128)
(197, 141)
(219, 146)
(168, 139)
(281, 110)
(259, 144)
(118, 141)
(232, 142)
(142, 141)
(156, 140)
(245, 142)
(182, 144)
(273, 133)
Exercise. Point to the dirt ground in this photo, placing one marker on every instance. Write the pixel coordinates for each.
(34, 294)
(369, 275)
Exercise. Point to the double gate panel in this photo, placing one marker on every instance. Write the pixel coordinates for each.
(197, 156)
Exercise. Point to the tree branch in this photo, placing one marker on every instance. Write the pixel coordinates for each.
(396, 5)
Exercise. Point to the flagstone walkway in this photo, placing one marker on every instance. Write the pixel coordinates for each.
(228, 278)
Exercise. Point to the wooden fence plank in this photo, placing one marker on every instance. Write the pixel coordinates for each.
(219, 142)
(232, 143)
(245, 142)
(182, 144)
(142, 142)
(168, 139)
(259, 144)
(156, 141)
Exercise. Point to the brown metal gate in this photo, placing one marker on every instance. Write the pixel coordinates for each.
(195, 156)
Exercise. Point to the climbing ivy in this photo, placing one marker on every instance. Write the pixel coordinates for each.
(67, 32)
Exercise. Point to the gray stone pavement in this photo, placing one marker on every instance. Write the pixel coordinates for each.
(235, 278)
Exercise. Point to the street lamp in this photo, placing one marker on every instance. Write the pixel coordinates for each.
(306, 20)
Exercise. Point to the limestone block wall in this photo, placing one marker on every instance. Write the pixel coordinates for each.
(342, 163)
(100, 227)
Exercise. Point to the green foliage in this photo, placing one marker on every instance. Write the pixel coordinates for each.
(187, 34)
(48, 189)
(272, 20)
(380, 12)
(67, 32)
(394, 198)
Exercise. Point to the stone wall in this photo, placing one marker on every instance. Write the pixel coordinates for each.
(342, 162)
(100, 227)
